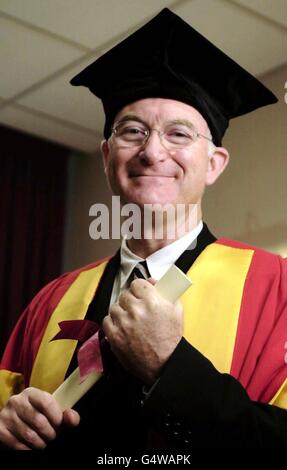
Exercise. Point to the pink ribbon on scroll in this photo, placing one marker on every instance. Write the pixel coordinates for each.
(90, 336)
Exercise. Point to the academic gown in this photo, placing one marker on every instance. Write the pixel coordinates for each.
(224, 386)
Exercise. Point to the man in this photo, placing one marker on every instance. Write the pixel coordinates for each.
(209, 375)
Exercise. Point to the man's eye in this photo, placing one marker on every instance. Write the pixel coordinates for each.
(133, 130)
(179, 134)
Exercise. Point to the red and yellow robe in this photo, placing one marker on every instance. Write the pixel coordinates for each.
(234, 316)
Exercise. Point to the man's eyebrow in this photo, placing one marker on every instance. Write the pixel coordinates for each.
(182, 122)
(134, 117)
(131, 117)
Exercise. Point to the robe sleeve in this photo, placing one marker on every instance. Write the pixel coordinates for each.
(201, 407)
(21, 350)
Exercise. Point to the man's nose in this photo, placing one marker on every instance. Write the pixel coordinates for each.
(153, 150)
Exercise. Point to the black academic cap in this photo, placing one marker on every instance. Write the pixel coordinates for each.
(167, 58)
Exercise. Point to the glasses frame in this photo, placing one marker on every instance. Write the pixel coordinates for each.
(148, 131)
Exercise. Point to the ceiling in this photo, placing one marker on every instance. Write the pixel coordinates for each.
(45, 43)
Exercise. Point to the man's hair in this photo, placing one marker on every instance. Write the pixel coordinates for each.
(211, 145)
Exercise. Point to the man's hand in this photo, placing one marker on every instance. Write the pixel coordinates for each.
(143, 329)
(31, 419)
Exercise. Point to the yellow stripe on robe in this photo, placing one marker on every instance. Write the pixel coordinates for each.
(10, 384)
(280, 398)
(212, 304)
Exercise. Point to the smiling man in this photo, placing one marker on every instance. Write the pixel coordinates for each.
(207, 372)
(161, 153)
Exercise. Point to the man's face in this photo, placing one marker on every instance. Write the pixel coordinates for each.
(151, 174)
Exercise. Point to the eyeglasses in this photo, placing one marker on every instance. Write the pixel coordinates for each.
(175, 136)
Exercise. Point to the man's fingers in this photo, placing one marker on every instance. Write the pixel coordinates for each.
(32, 417)
(46, 404)
(71, 418)
(8, 439)
(116, 313)
(108, 326)
(36, 421)
(17, 432)
(28, 436)
(141, 288)
(126, 299)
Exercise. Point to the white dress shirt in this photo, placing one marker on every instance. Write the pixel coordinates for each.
(158, 262)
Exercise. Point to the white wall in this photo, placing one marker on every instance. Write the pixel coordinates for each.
(248, 203)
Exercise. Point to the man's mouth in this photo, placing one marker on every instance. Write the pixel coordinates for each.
(145, 175)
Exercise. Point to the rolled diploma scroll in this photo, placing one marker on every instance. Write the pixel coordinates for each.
(171, 286)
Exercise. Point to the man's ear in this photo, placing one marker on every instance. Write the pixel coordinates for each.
(105, 153)
(218, 161)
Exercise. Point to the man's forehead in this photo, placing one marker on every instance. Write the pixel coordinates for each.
(161, 110)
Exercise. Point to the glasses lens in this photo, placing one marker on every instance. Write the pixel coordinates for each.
(178, 136)
(130, 133)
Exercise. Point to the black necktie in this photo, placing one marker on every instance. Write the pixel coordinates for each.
(140, 271)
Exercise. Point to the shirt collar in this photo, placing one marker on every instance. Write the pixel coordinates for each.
(159, 261)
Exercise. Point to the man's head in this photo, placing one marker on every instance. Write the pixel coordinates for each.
(176, 162)
(162, 73)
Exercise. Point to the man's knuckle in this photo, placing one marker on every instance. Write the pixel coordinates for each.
(136, 311)
(27, 391)
(47, 400)
(112, 311)
(12, 401)
(153, 302)
(9, 421)
(39, 421)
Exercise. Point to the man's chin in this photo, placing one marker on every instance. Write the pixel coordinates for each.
(148, 200)
(149, 197)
